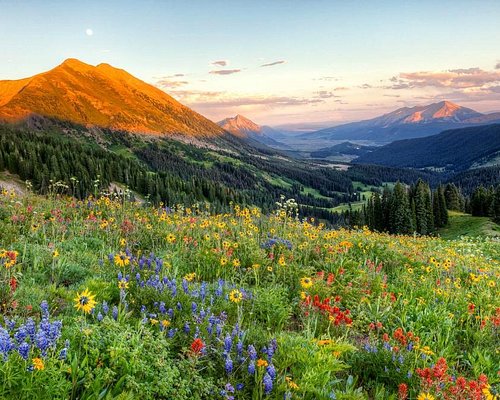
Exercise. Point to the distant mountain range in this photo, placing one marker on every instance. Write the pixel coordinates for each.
(452, 150)
(101, 96)
(406, 123)
(244, 128)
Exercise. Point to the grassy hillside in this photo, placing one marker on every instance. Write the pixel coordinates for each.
(461, 224)
(109, 299)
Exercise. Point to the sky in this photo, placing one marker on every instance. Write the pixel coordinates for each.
(276, 61)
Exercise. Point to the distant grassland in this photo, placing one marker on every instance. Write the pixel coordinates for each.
(461, 224)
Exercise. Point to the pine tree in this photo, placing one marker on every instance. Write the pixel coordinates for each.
(442, 207)
(496, 205)
(400, 215)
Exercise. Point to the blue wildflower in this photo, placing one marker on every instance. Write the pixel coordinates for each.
(268, 383)
(228, 365)
(23, 350)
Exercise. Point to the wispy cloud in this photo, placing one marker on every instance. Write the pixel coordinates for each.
(366, 86)
(216, 99)
(220, 63)
(325, 94)
(326, 78)
(273, 101)
(340, 88)
(225, 71)
(273, 63)
(497, 66)
(166, 83)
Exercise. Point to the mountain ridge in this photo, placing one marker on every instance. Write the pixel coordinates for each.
(102, 96)
(407, 123)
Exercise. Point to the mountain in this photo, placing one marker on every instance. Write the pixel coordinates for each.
(405, 123)
(452, 150)
(240, 126)
(244, 128)
(101, 96)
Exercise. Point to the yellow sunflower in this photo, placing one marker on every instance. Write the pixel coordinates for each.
(306, 282)
(85, 301)
(123, 284)
(235, 296)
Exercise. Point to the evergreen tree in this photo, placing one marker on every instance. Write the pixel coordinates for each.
(400, 215)
(496, 205)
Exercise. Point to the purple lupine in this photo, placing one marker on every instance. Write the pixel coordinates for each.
(203, 290)
(42, 342)
(185, 286)
(228, 365)
(44, 306)
(252, 353)
(21, 334)
(24, 350)
(268, 383)
(239, 348)
(251, 367)
(228, 343)
(271, 371)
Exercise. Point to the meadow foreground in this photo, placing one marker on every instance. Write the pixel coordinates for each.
(107, 299)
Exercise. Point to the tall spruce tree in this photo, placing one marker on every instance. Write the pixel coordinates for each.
(399, 212)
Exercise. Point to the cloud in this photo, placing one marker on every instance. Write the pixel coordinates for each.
(169, 84)
(365, 86)
(324, 94)
(265, 100)
(215, 99)
(273, 63)
(196, 95)
(337, 89)
(463, 78)
(225, 71)
(391, 95)
(497, 66)
(327, 78)
(220, 63)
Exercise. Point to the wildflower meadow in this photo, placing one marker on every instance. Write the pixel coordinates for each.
(109, 299)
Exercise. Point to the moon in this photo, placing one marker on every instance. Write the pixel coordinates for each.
(89, 32)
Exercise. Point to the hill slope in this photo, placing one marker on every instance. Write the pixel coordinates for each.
(456, 150)
(406, 123)
(101, 96)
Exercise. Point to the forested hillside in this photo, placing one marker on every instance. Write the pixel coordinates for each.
(454, 150)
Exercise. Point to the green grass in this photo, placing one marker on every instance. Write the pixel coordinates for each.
(461, 224)
(276, 180)
(314, 192)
